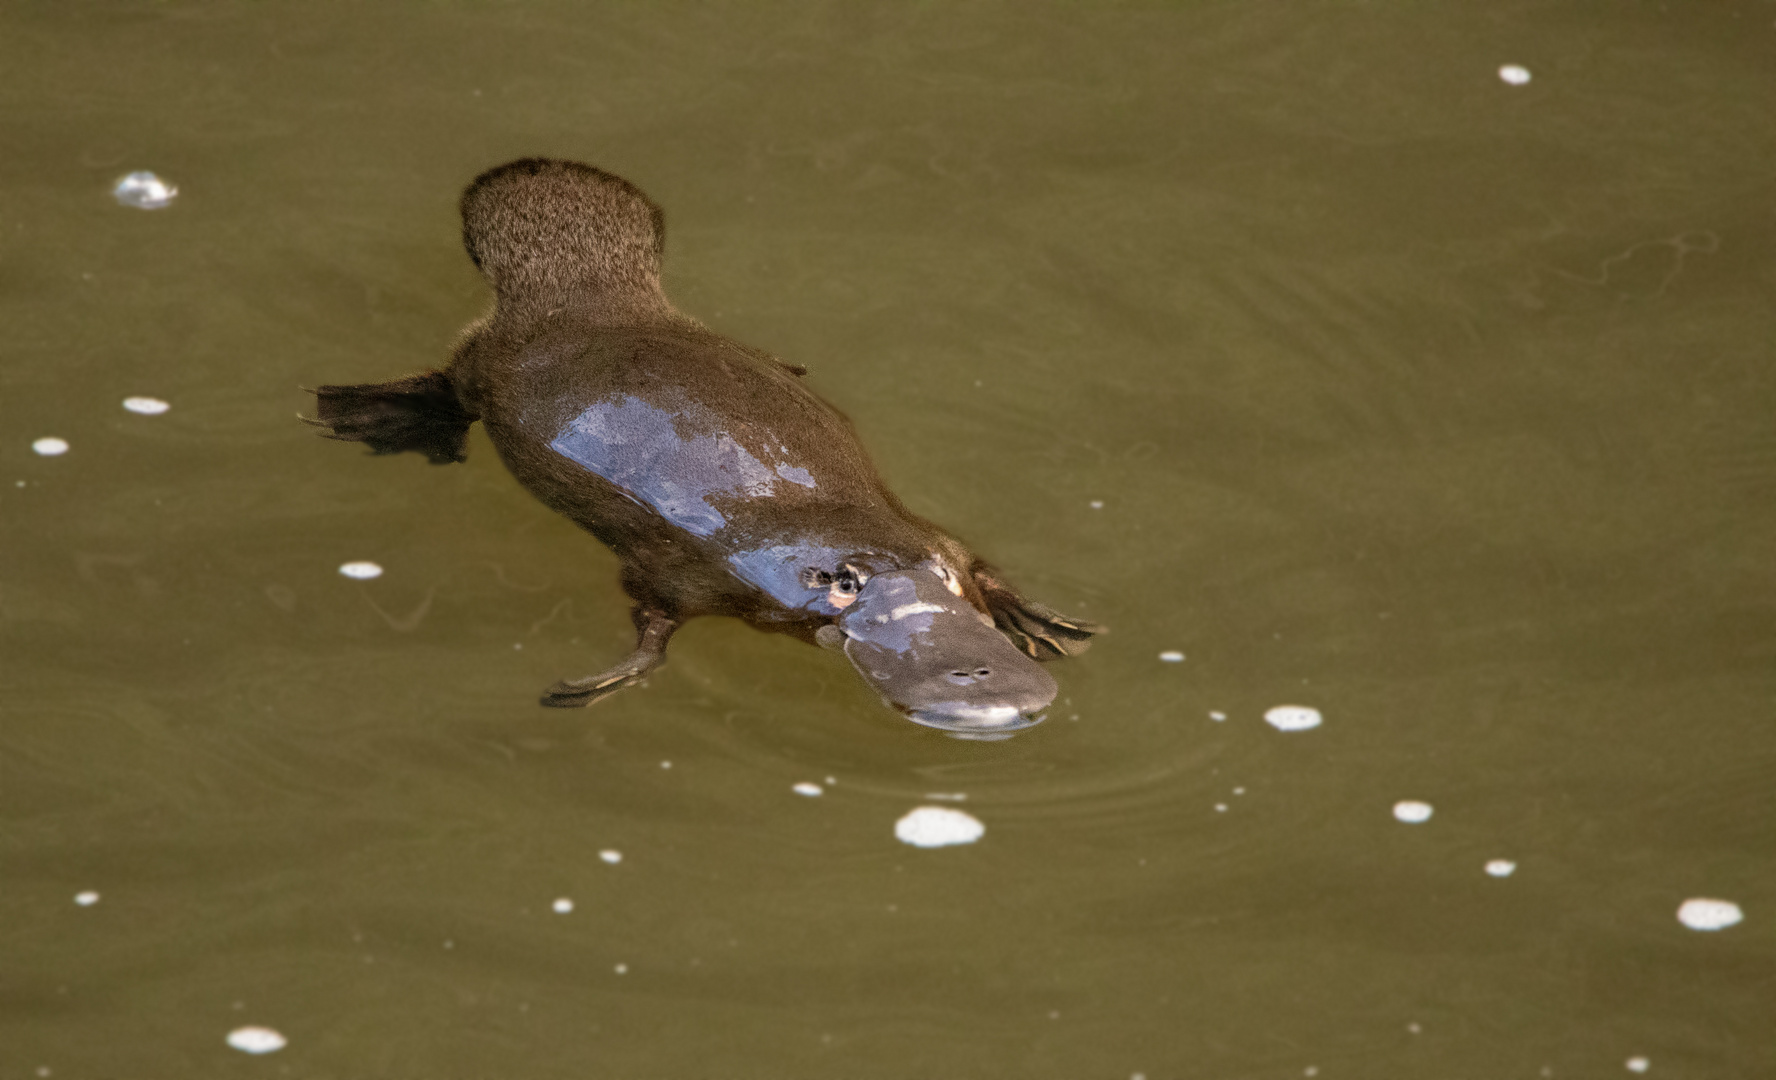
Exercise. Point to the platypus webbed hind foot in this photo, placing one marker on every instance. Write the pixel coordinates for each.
(650, 652)
(419, 413)
(1040, 631)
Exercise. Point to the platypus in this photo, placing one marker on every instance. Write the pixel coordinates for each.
(723, 484)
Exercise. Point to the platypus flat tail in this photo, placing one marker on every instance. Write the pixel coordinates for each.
(419, 413)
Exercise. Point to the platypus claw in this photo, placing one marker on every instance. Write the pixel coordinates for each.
(1036, 629)
(579, 693)
(655, 629)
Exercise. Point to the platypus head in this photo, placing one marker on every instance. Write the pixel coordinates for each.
(933, 656)
(540, 228)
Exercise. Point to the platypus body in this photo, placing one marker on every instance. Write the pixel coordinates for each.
(722, 483)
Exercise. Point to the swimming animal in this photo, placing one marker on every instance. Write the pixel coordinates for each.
(723, 484)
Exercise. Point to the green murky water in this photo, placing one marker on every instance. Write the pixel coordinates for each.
(1441, 404)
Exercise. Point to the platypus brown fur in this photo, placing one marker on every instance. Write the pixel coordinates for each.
(724, 485)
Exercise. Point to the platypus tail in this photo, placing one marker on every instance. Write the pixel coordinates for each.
(420, 412)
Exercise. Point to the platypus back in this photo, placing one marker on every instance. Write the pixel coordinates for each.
(544, 230)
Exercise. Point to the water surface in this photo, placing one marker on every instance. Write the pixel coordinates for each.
(1286, 336)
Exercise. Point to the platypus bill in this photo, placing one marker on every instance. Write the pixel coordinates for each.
(723, 484)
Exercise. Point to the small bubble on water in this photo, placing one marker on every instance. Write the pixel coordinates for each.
(253, 1039)
(1413, 812)
(87, 898)
(938, 826)
(1220, 808)
(144, 191)
(1637, 1064)
(1097, 504)
(1515, 74)
(1292, 717)
(362, 570)
(562, 906)
(1217, 717)
(1501, 867)
(621, 969)
(1700, 913)
(145, 406)
(808, 789)
(611, 855)
(50, 446)
(1172, 656)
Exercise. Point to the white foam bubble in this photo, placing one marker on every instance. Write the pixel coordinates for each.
(87, 898)
(362, 570)
(947, 796)
(1515, 74)
(1097, 504)
(253, 1039)
(146, 406)
(938, 826)
(1172, 656)
(1637, 1063)
(807, 788)
(621, 969)
(1501, 867)
(144, 191)
(562, 906)
(1413, 812)
(50, 446)
(1217, 717)
(1292, 717)
(1700, 913)
(611, 855)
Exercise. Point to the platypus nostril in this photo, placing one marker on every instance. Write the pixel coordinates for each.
(981, 673)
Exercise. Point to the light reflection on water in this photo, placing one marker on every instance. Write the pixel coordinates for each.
(1297, 340)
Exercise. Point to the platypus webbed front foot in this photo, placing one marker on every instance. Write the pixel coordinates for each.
(650, 652)
(1038, 630)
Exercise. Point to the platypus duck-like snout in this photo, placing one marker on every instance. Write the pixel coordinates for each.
(937, 659)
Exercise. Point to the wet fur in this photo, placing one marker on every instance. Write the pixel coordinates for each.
(573, 255)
